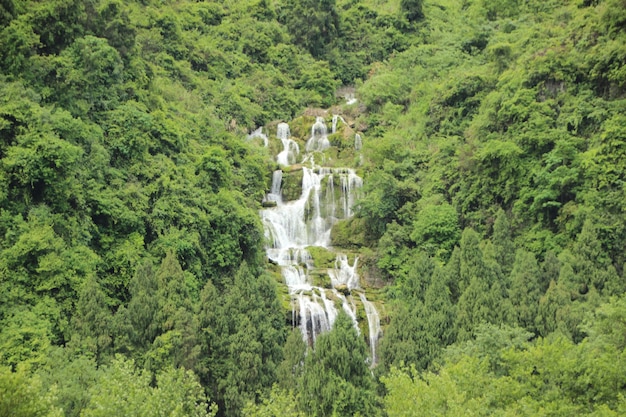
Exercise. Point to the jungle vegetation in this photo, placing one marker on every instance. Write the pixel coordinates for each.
(494, 208)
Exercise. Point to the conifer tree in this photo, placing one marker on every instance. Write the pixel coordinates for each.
(336, 380)
(92, 321)
(241, 333)
(143, 306)
(503, 242)
(290, 369)
(525, 291)
(481, 301)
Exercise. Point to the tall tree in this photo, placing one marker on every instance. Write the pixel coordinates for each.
(336, 379)
(314, 24)
(503, 242)
(525, 290)
(143, 306)
(241, 334)
(91, 323)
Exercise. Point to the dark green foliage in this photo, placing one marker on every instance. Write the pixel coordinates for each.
(313, 24)
(241, 334)
(92, 322)
(525, 289)
(336, 379)
(412, 9)
(503, 242)
(289, 371)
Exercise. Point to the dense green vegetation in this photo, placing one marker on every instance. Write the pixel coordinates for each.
(132, 274)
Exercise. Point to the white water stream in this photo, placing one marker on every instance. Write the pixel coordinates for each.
(291, 227)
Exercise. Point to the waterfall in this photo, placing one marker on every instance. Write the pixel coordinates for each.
(336, 118)
(259, 134)
(290, 148)
(319, 136)
(373, 321)
(358, 142)
(291, 227)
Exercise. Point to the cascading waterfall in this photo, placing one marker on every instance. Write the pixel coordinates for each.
(319, 136)
(336, 118)
(373, 321)
(259, 134)
(358, 142)
(290, 148)
(328, 195)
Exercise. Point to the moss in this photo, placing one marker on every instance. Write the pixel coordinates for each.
(292, 185)
(275, 146)
(320, 279)
(348, 233)
(300, 127)
(322, 257)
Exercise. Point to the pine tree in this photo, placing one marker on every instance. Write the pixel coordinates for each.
(336, 379)
(503, 242)
(240, 333)
(143, 306)
(176, 342)
(525, 291)
(290, 369)
(91, 323)
(481, 301)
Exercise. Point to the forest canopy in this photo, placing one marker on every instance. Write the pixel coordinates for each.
(133, 277)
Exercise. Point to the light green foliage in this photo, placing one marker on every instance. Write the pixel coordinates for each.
(122, 389)
(436, 230)
(71, 378)
(279, 403)
(501, 373)
(492, 128)
(22, 395)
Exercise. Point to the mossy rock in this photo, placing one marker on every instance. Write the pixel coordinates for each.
(300, 127)
(322, 257)
(343, 289)
(292, 185)
(348, 233)
(275, 146)
(292, 168)
(320, 279)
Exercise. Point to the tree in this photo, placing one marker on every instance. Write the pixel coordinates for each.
(240, 342)
(412, 9)
(176, 341)
(290, 369)
(143, 306)
(314, 24)
(71, 377)
(525, 290)
(122, 389)
(91, 323)
(481, 299)
(436, 230)
(503, 242)
(22, 395)
(280, 403)
(336, 379)
(91, 74)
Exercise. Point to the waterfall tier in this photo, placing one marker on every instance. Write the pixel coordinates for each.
(293, 226)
